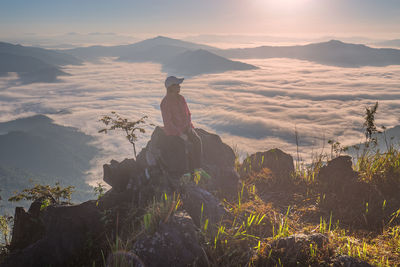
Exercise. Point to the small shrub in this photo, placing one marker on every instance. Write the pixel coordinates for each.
(115, 121)
(46, 193)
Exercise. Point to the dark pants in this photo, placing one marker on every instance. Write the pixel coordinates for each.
(194, 149)
(181, 156)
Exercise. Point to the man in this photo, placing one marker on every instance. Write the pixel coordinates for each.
(178, 124)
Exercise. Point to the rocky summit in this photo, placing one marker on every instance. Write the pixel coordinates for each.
(262, 212)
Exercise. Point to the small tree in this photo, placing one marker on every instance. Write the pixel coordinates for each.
(115, 121)
(46, 193)
(369, 123)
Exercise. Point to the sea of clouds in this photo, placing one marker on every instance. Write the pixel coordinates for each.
(252, 110)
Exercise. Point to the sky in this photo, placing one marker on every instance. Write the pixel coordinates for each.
(371, 18)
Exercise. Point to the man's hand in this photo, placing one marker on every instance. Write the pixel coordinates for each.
(184, 137)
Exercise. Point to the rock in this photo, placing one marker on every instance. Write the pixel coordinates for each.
(278, 162)
(27, 229)
(67, 231)
(337, 172)
(194, 198)
(117, 174)
(175, 243)
(168, 153)
(123, 258)
(296, 242)
(294, 250)
(219, 162)
(347, 261)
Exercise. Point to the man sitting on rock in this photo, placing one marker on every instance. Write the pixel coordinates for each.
(178, 125)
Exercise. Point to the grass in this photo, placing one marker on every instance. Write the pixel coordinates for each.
(306, 212)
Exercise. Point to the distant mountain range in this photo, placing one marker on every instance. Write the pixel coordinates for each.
(176, 57)
(390, 43)
(134, 50)
(186, 58)
(334, 53)
(205, 62)
(36, 149)
(33, 64)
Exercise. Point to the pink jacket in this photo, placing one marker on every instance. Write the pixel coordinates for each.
(176, 115)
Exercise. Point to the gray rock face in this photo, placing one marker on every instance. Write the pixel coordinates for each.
(347, 261)
(293, 250)
(67, 230)
(338, 171)
(278, 162)
(175, 243)
(117, 174)
(168, 153)
(296, 242)
(194, 198)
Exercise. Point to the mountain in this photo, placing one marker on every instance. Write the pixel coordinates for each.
(36, 149)
(389, 43)
(191, 63)
(176, 56)
(33, 64)
(390, 138)
(158, 54)
(49, 56)
(334, 53)
(126, 51)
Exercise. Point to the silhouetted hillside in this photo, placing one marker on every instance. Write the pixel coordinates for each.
(36, 148)
(335, 53)
(158, 54)
(132, 50)
(33, 64)
(198, 62)
(49, 56)
(390, 43)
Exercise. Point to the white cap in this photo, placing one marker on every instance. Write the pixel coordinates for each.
(172, 80)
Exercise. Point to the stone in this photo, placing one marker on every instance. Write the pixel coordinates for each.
(67, 230)
(175, 243)
(117, 174)
(347, 261)
(278, 162)
(168, 154)
(194, 198)
(338, 171)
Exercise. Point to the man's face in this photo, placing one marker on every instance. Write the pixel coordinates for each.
(175, 88)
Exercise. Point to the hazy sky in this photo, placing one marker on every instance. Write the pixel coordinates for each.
(372, 18)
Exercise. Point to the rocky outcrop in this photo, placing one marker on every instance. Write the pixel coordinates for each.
(118, 174)
(337, 173)
(348, 261)
(167, 154)
(67, 231)
(175, 243)
(278, 162)
(63, 232)
(202, 205)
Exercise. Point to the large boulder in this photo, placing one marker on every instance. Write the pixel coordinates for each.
(278, 162)
(175, 243)
(27, 229)
(168, 153)
(67, 232)
(337, 174)
(202, 205)
(351, 200)
(118, 174)
(295, 251)
(348, 261)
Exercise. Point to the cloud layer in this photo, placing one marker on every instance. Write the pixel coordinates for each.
(255, 110)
